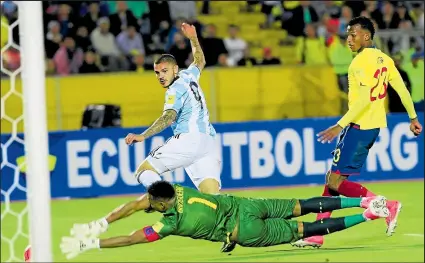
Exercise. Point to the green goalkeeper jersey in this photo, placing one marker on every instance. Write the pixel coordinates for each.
(199, 216)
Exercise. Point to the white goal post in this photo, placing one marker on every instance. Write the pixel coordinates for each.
(32, 71)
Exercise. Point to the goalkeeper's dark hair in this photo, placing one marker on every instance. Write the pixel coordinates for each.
(166, 58)
(162, 190)
(364, 23)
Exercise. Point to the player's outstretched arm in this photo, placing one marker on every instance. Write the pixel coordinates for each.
(163, 122)
(357, 108)
(198, 55)
(145, 235)
(128, 209)
(328, 135)
(73, 246)
(97, 227)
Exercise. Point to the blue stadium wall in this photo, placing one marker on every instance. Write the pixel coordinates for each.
(96, 163)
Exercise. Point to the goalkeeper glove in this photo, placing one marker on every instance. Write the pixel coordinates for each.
(90, 230)
(72, 247)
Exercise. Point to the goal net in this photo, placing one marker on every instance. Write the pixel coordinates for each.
(25, 184)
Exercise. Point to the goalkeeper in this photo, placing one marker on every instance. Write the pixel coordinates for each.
(222, 218)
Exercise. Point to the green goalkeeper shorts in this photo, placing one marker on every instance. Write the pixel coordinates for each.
(264, 222)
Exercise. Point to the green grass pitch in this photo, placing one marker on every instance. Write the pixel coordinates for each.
(366, 242)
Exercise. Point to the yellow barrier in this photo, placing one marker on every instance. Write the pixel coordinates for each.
(238, 94)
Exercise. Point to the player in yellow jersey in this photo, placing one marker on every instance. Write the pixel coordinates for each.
(369, 74)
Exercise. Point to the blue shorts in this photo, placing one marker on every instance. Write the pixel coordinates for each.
(352, 149)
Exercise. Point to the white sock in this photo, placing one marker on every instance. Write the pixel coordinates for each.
(104, 222)
(97, 243)
(147, 178)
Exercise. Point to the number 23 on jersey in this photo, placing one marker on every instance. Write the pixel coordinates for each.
(379, 91)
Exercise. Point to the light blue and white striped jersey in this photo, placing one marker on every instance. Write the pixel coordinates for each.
(185, 96)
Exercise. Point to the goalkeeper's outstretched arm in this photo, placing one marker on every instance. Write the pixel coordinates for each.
(97, 227)
(73, 246)
(144, 235)
(128, 209)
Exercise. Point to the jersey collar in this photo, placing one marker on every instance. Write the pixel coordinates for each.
(373, 46)
(172, 82)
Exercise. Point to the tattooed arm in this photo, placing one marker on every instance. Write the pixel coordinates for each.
(167, 118)
(198, 54)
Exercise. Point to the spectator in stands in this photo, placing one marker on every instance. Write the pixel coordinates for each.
(346, 16)
(340, 57)
(418, 18)
(395, 104)
(413, 64)
(145, 25)
(311, 49)
(247, 60)
(267, 9)
(222, 60)
(181, 50)
(213, 47)
(53, 39)
(301, 16)
(365, 14)
(418, 15)
(85, 8)
(90, 64)
(90, 19)
(173, 30)
(323, 27)
(401, 42)
(234, 45)
(131, 43)
(389, 20)
(332, 9)
(157, 46)
(68, 58)
(123, 18)
(82, 39)
(321, 7)
(66, 20)
(8, 8)
(138, 63)
(182, 10)
(372, 11)
(158, 11)
(138, 8)
(356, 7)
(402, 14)
(268, 58)
(104, 43)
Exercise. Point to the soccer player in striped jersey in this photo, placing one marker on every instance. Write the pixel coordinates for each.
(193, 145)
(369, 74)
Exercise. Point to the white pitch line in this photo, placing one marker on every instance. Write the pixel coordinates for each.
(414, 235)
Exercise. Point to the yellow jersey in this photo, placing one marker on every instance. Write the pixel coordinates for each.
(368, 77)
